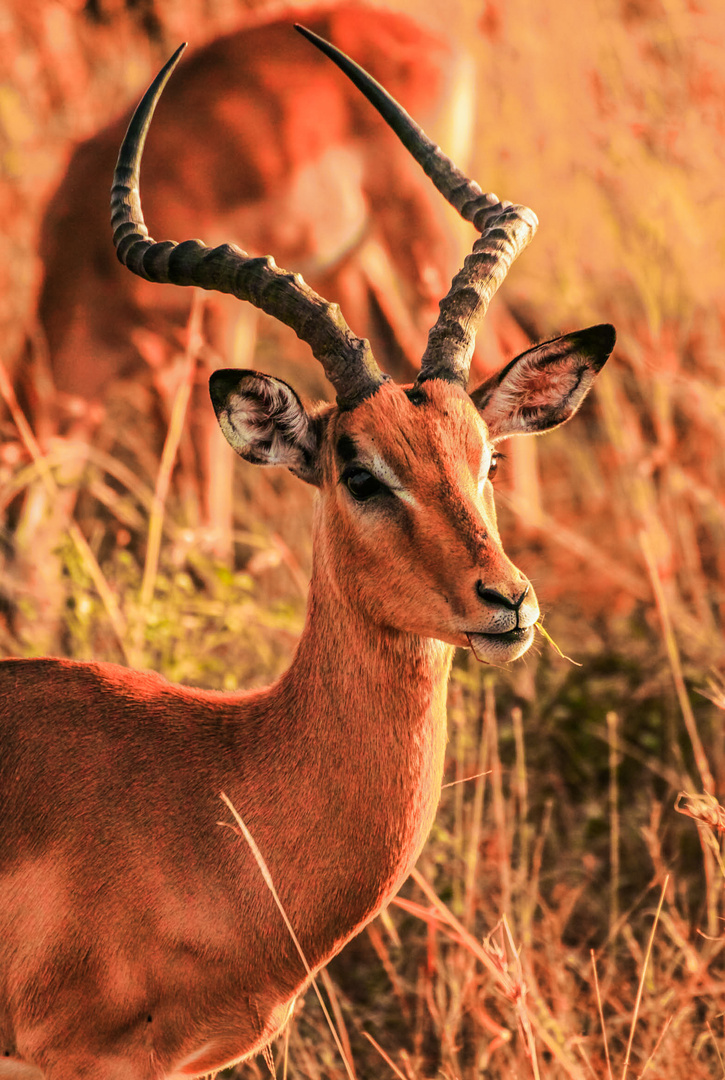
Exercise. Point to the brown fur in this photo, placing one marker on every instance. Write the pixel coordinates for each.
(121, 896)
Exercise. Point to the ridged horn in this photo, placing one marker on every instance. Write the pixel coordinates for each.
(347, 360)
(505, 230)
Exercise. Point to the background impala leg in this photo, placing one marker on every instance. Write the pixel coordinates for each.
(216, 465)
(11, 1069)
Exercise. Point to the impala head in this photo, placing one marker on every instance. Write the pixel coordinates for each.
(406, 526)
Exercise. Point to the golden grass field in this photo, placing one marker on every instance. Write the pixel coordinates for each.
(566, 918)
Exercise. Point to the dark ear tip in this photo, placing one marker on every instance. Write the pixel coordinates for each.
(221, 384)
(607, 335)
(598, 341)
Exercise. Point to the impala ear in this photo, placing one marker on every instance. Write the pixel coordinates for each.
(545, 385)
(265, 422)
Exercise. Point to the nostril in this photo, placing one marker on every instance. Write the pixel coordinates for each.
(493, 597)
(497, 599)
(524, 594)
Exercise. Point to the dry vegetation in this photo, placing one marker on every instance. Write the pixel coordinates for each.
(565, 920)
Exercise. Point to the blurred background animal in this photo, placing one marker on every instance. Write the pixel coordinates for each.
(263, 144)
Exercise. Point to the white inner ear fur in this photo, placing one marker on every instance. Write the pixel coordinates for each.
(264, 420)
(533, 396)
(531, 386)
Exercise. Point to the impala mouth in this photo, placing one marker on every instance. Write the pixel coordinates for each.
(497, 648)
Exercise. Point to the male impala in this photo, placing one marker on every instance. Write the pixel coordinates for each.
(139, 940)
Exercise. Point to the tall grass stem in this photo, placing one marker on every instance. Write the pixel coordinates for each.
(613, 730)
(601, 1015)
(88, 559)
(673, 653)
(640, 988)
(168, 459)
(264, 870)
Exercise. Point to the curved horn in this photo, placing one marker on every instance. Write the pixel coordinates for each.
(505, 230)
(347, 360)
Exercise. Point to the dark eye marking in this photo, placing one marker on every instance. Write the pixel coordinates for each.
(361, 484)
(346, 449)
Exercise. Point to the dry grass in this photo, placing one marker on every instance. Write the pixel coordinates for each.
(564, 920)
(502, 959)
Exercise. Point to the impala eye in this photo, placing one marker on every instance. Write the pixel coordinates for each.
(362, 485)
(493, 467)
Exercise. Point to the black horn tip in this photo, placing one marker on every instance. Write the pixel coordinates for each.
(162, 77)
(338, 57)
(309, 34)
(166, 70)
(129, 156)
(175, 58)
(366, 84)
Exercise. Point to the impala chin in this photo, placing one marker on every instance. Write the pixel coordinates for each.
(501, 648)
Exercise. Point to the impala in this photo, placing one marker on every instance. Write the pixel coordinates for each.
(139, 940)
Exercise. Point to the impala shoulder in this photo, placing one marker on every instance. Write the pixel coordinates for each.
(81, 676)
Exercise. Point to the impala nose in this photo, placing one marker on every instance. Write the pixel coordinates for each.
(497, 599)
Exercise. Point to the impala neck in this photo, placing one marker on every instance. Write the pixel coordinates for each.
(348, 752)
(364, 715)
(368, 704)
(362, 672)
